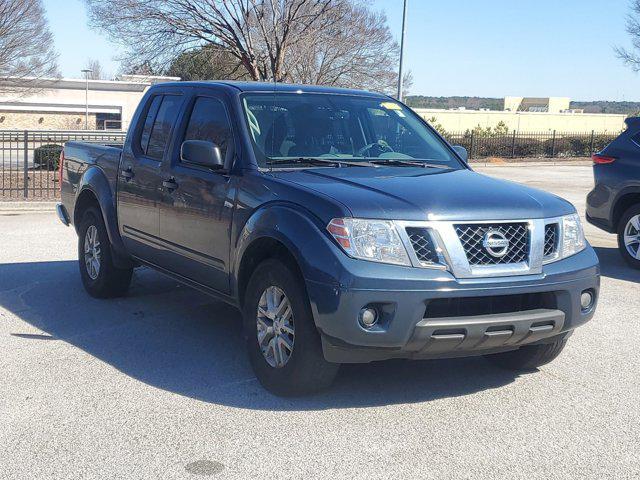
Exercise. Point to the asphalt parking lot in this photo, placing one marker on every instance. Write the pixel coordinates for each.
(156, 385)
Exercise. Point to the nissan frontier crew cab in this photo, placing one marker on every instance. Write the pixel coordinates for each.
(339, 222)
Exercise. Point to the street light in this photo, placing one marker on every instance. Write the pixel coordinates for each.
(404, 23)
(86, 72)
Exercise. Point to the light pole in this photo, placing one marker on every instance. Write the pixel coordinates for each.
(404, 23)
(86, 72)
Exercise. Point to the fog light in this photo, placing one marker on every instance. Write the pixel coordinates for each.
(368, 317)
(586, 300)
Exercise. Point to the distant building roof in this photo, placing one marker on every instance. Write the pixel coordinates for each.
(130, 83)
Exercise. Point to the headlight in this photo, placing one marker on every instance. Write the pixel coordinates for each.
(573, 240)
(374, 240)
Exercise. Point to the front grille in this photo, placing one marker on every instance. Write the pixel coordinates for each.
(472, 236)
(471, 306)
(422, 244)
(550, 239)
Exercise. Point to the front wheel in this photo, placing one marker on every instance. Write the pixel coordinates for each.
(283, 343)
(528, 357)
(629, 236)
(100, 277)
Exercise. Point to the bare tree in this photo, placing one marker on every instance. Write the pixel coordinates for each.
(333, 42)
(632, 57)
(407, 83)
(96, 70)
(145, 69)
(258, 33)
(26, 44)
(356, 50)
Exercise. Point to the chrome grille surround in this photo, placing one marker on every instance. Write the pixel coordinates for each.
(452, 256)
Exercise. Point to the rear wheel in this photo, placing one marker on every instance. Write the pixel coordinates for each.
(528, 357)
(629, 236)
(100, 277)
(283, 343)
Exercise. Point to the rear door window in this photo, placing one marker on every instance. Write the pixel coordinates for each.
(164, 121)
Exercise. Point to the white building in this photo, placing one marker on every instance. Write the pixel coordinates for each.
(59, 104)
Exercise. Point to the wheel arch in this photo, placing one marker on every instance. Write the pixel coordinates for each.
(626, 199)
(285, 232)
(258, 251)
(94, 190)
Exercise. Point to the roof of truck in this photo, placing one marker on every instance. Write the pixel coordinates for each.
(269, 87)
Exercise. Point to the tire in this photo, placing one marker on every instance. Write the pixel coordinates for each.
(529, 357)
(104, 280)
(305, 369)
(629, 227)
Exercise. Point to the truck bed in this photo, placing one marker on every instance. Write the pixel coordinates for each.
(78, 156)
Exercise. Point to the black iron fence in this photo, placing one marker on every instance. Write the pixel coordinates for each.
(530, 145)
(29, 160)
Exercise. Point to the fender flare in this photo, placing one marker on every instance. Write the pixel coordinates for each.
(299, 231)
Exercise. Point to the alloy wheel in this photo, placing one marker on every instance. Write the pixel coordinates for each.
(92, 253)
(275, 327)
(632, 237)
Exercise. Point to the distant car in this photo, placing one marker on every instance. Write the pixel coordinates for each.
(614, 203)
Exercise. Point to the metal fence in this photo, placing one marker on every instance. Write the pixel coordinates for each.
(29, 160)
(530, 145)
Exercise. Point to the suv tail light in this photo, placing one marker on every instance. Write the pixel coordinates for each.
(60, 166)
(598, 158)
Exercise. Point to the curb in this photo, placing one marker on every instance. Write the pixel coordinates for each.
(27, 207)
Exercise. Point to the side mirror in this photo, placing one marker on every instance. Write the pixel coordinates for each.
(462, 153)
(200, 152)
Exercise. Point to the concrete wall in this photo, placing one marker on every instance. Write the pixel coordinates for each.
(525, 122)
(13, 120)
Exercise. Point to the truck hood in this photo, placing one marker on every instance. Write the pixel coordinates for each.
(407, 193)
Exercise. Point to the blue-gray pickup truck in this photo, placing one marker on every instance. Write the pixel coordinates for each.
(338, 221)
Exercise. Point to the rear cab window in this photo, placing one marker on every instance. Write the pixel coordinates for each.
(162, 126)
(160, 117)
(152, 111)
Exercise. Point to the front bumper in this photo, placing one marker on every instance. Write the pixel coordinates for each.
(408, 328)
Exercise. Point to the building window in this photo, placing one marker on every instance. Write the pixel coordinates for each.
(109, 121)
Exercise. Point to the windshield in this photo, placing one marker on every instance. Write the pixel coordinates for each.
(299, 126)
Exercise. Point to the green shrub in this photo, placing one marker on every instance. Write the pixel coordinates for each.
(47, 156)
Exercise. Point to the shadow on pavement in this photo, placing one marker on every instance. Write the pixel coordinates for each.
(177, 339)
(613, 266)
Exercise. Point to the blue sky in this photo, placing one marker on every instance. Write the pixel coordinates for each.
(464, 47)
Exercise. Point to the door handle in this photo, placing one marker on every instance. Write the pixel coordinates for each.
(127, 174)
(170, 184)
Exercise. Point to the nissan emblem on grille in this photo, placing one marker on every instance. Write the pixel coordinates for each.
(495, 243)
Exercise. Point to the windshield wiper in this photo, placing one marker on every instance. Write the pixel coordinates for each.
(336, 162)
(408, 163)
